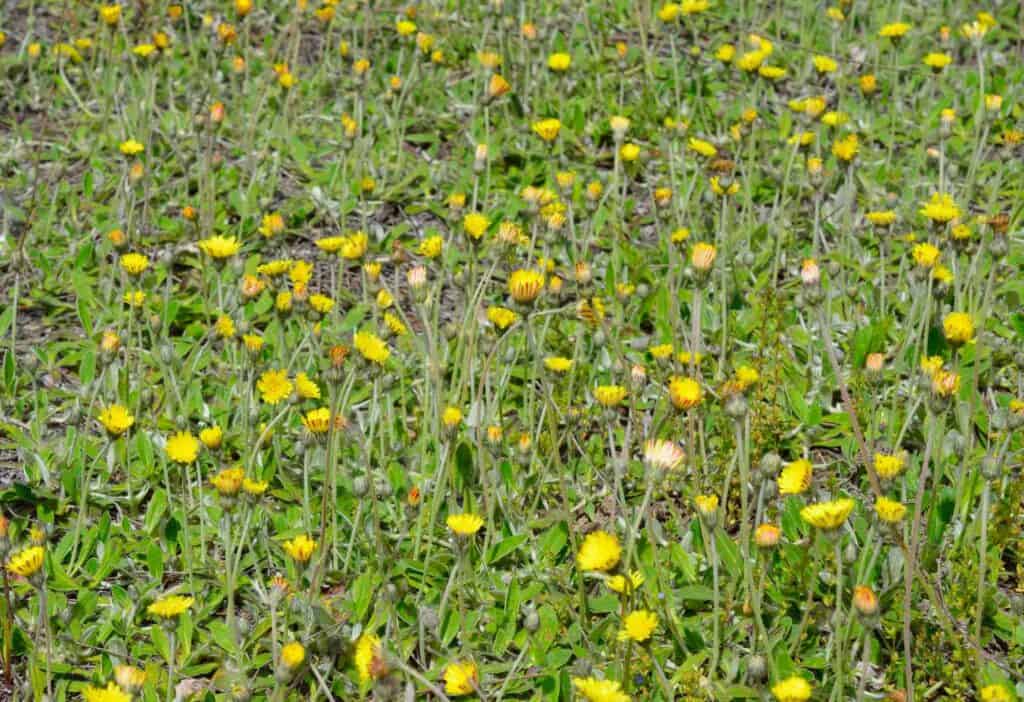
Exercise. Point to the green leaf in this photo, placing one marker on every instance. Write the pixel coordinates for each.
(505, 547)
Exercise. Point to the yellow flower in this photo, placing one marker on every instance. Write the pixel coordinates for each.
(958, 328)
(547, 129)
(321, 303)
(868, 83)
(704, 148)
(882, 218)
(828, 516)
(394, 324)
(355, 246)
(940, 208)
(255, 487)
(707, 505)
(134, 298)
(890, 510)
(460, 678)
(694, 7)
(293, 654)
(557, 364)
(110, 14)
(451, 417)
(996, 693)
(300, 548)
(371, 347)
(405, 28)
(134, 263)
(368, 657)
(629, 152)
(703, 256)
(253, 342)
(228, 481)
(225, 327)
(771, 72)
(600, 551)
(170, 606)
(525, 285)
(795, 477)
(669, 12)
(143, 50)
(660, 351)
(619, 583)
(501, 317)
(834, 118)
(684, 393)
(846, 149)
(28, 562)
(212, 437)
(609, 395)
(131, 147)
(888, 466)
(475, 225)
(220, 247)
(824, 64)
(498, 86)
(895, 30)
(182, 447)
(638, 626)
(792, 689)
(116, 420)
(594, 690)
(317, 421)
(431, 246)
(746, 376)
(750, 61)
(937, 61)
(274, 386)
(306, 388)
(110, 693)
(275, 268)
(925, 255)
(559, 62)
(465, 524)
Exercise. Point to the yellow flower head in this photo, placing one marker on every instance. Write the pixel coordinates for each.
(306, 388)
(460, 678)
(610, 395)
(111, 693)
(594, 690)
(212, 437)
(824, 64)
(220, 247)
(131, 147)
(317, 421)
(846, 149)
(354, 246)
(958, 328)
(300, 548)
(557, 364)
(881, 218)
(684, 393)
(27, 562)
(129, 677)
(890, 511)
(465, 524)
(116, 420)
(996, 693)
(940, 209)
(895, 30)
(623, 585)
(170, 606)
(547, 129)
(371, 347)
(369, 660)
(451, 417)
(228, 481)
(792, 689)
(525, 285)
(937, 61)
(182, 447)
(704, 148)
(559, 62)
(293, 654)
(828, 516)
(600, 551)
(925, 255)
(707, 505)
(134, 263)
(795, 478)
(274, 386)
(501, 317)
(888, 466)
(638, 626)
(475, 225)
